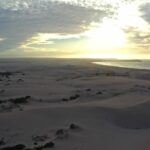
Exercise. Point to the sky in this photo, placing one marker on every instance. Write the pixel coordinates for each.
(75, 28)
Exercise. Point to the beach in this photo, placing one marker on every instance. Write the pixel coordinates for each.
(73, 104)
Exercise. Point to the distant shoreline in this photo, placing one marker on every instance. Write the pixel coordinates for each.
(131, 64)
(138, 64)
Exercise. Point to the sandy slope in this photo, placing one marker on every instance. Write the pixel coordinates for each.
(110, 106)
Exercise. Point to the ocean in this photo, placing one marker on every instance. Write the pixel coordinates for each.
(135, 64)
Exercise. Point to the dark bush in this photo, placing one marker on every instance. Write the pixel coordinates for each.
(5, 74)
(61, 133)
(88, 90)
(2, 142)
(74, 126)
(20, 100)
(65, 99)
(98, 93)
(74, 97)
(49, 145)
(16, 147)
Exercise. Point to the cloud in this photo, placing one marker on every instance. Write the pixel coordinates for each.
(46, 39)
(19, 21)
(145, 9)
(34, 24)
(42, 4)
(139, 40)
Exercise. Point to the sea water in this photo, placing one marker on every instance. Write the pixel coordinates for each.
(135, 64)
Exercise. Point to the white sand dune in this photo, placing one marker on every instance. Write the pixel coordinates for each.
(111, 110)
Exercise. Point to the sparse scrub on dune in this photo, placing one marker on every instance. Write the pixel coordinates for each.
(20, 100)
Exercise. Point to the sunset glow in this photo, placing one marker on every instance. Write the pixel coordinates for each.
(71, 28)
(107, 37)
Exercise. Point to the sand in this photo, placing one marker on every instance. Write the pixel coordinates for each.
(73, 105)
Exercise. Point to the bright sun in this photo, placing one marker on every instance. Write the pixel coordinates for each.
(106, 37)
